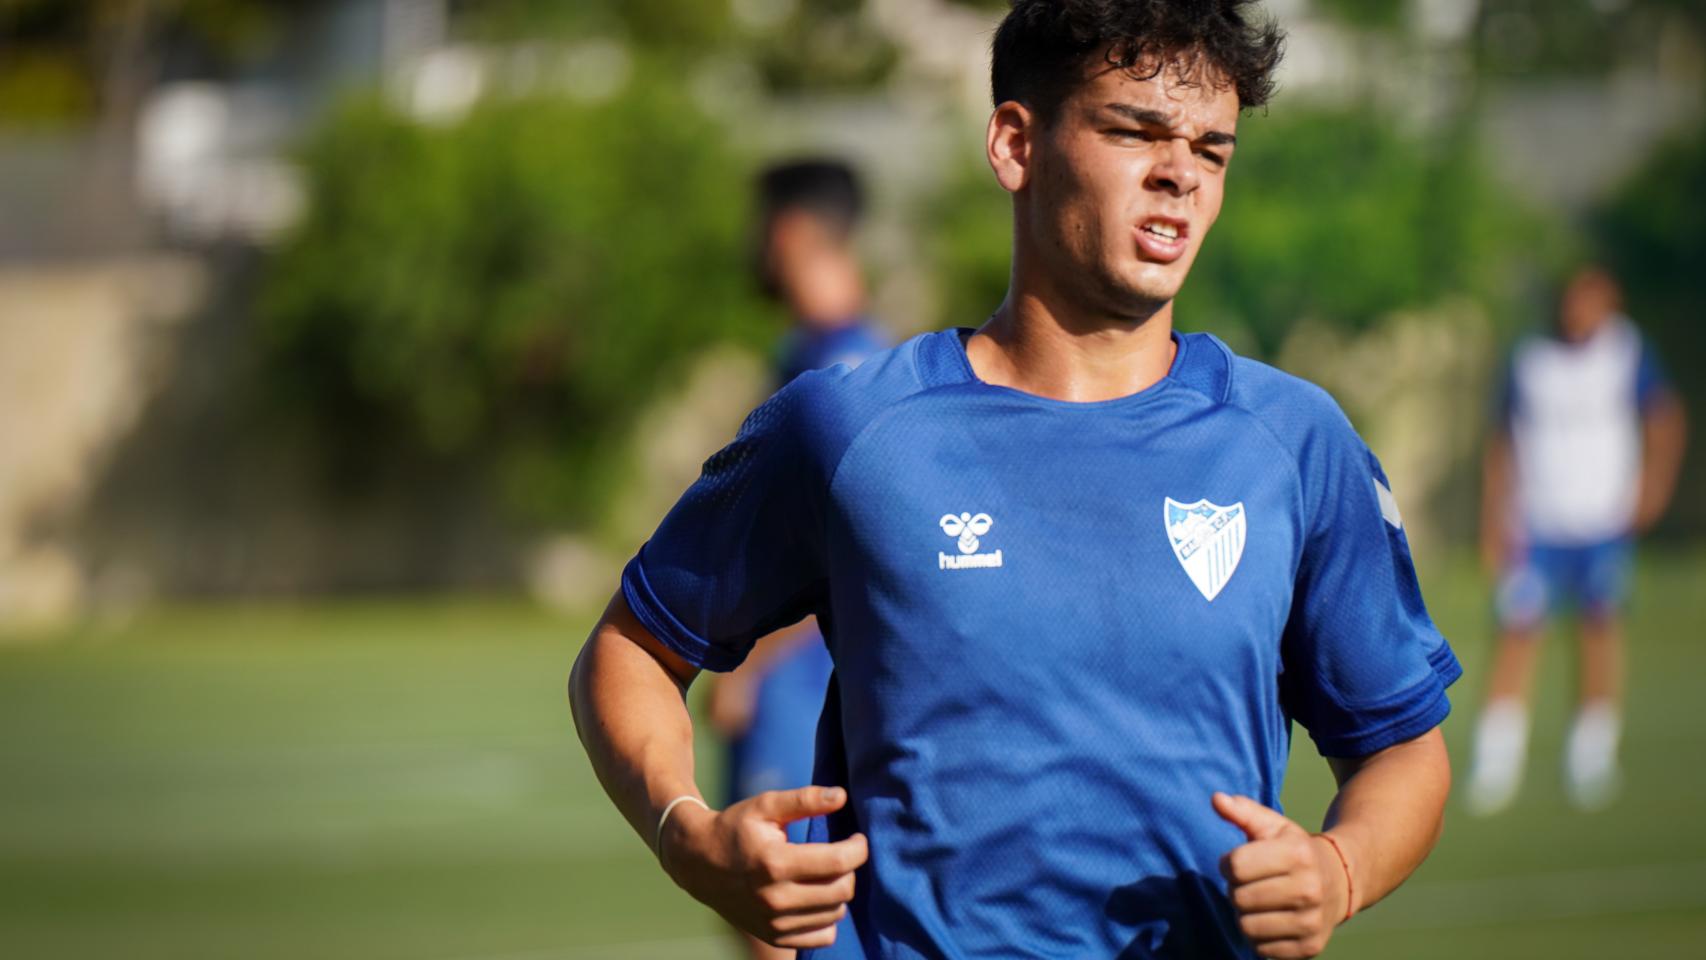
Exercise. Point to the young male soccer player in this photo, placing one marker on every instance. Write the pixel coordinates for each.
(1585, 455)
(1077, 572)
(769, 706)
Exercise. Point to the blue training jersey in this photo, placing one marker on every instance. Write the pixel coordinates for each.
(1057, 629)
(775, 752)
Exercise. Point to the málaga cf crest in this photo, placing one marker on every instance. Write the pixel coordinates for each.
(1208, 540)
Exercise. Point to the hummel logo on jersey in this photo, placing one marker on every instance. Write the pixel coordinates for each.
(967, 528)
(1208, 539)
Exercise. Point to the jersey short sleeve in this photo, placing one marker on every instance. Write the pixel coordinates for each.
(738, 555)
(1504, 395)
(1651, 384)
(1364, 667)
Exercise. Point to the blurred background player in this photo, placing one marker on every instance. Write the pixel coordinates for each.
(1584, 457)
(768, 709)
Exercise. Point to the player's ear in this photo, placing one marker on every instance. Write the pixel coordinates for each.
(1011, 142)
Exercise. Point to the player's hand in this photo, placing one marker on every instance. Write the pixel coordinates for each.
(733, 700)
(739, 863)
(1288, 886)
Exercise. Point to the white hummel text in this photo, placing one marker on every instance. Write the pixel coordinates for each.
(966, 528)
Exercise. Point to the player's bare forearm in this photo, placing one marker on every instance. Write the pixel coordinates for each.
(1495, 497)
(627, 694)
(1291, 889)
(1664, 435)
(1389, 812)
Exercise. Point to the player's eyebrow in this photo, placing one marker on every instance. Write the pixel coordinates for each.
(1155, 118)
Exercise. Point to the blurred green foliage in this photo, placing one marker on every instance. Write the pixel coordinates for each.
(1381, 14)
(657, 24)
(509, 290)
(1330, 214)
(1339, 216)
(1544, 40)
(968, 233)
(1652, 233)
(801, 45)
(824, 44)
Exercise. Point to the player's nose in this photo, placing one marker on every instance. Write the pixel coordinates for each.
(1173, 171)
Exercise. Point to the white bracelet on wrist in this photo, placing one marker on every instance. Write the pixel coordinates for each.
(669, 808)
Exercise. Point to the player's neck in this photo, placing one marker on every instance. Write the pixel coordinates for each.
(1040, 348)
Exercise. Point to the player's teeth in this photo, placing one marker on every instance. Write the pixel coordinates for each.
(1163, 229)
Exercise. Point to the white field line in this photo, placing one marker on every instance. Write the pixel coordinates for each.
(1487, 901)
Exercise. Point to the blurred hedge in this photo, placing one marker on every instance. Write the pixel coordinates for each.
(1652, 232)
(505, 293)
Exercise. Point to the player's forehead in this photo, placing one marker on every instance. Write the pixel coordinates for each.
(1190, 94)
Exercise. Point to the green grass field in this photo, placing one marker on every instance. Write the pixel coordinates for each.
(402, 781)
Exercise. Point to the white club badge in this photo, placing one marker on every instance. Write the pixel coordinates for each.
(1208, 540)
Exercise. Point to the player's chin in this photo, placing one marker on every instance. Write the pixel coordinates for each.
(1155, 283)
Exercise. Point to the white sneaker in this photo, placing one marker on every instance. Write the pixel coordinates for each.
(1492, 789)
(1591, 777)
(1596, 790)
(1501, 749)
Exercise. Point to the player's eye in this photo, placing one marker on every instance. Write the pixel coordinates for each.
(1130, 133)
(1217, 159)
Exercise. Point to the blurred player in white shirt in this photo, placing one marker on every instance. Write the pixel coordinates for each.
(1583, 458)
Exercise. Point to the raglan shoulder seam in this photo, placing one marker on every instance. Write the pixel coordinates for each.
(1225, 400)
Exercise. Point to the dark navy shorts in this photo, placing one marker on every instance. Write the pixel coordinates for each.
(1592, 579)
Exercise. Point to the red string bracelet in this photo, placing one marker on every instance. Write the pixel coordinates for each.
(1350, 885)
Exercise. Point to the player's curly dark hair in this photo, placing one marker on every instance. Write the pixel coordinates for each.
(1042, 46)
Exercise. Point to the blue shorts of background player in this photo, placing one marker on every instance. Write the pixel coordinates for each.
(1592, 578)
(777, 749)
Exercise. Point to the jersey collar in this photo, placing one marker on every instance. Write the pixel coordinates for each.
(1201, 363)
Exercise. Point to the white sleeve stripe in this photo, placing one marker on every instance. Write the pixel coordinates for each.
(1388, 504)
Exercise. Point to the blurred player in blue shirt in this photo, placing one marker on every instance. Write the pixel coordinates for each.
(768, 708)
(1584, 456)
(1078, 573)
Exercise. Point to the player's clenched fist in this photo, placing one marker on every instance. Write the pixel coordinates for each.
(1289, 886)
(739, 863)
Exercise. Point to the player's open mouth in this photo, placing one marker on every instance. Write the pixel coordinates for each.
(1162, 238)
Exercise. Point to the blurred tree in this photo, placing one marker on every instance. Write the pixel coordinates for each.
(1558, 39)
(674, 25)
(969, 240)
(1379, 14)
(1338, 216)
(510, 290)
(794, 45)
(823, 45)
(1652, 233)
